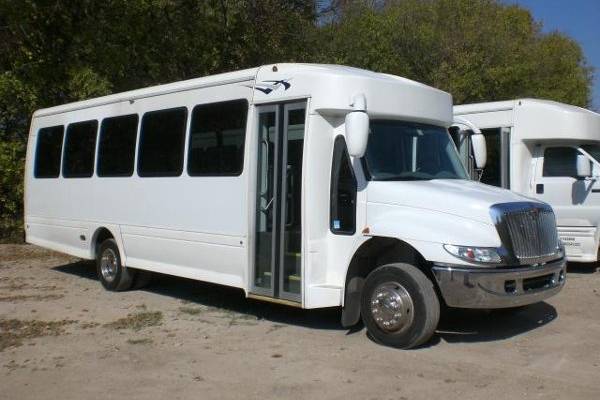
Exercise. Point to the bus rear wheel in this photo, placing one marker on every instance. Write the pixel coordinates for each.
(399, 306)
(113, 275)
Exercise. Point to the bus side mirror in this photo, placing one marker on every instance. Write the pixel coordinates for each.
(584, 166)
(479, 150)
(357, 127)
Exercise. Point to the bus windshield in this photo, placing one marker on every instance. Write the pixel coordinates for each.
(399, 151)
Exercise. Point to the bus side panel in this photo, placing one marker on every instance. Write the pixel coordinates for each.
(195, 227)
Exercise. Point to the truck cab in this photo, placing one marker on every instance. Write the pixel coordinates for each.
(544, 150)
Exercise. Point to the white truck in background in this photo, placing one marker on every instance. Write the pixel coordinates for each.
(541, 149)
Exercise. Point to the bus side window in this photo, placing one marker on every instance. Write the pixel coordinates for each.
(217, 137)
(48, 151)
(162, 139)
(343, 191)
(80, 145)
(116, 146)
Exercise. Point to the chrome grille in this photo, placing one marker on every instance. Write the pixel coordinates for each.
(528, 229)
(533, 234)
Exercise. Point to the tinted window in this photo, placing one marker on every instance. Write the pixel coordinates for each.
(116, 147)
(80, 145)
(217, 138)
(455, 135)
(593, 150)
(162, 138)
(48, 151)
(560, 161)
(491, 174)
(343, 191)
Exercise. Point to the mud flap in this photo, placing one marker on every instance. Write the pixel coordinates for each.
(351, 310)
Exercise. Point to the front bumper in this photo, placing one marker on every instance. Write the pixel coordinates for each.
(499, 288)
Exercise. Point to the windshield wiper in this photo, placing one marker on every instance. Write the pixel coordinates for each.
(403, 178)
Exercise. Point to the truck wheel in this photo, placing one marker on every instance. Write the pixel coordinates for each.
(113, 275)
(399, 306)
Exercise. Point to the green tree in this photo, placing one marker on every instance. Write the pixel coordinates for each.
(57, 51)
(478, 50)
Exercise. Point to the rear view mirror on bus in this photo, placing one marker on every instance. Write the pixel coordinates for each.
(478, 144)
(479, 150)
(584, 166)
(357, 127)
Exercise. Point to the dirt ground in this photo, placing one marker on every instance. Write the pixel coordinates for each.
(62, 336)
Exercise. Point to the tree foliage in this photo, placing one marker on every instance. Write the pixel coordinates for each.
(478, 50)
(57, 51)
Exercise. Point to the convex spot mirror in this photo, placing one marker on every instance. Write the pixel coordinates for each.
(584, 166)
(357, 127)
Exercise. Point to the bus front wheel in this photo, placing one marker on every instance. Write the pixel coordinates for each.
(399, 306)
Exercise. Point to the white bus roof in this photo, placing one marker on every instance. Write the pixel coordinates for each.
(534, 119)
(331, 87)
(196, 83)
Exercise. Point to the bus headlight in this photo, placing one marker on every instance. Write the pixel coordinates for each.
(487, 255)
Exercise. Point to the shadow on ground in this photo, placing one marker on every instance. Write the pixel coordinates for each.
(468, 326)
(456, 326)
(581, 268)
(221, 297)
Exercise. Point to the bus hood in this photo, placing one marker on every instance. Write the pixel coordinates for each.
(462, 198)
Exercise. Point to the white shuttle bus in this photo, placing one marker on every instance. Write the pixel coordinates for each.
(307, 185)
(544, 150)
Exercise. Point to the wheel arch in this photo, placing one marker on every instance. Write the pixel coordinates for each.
(377, 251)
(102, 233)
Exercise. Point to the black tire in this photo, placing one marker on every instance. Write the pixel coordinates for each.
(119, 278)
(406, 331)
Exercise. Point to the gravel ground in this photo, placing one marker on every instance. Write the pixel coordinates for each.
(64, 337)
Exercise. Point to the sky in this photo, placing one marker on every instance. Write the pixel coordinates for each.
(580, 19)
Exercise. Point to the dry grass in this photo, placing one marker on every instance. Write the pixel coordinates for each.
(190, 310)
(140, 341)
(137, 321)
(32, 297)
(16, 252)
(89, 325)
(13, 331)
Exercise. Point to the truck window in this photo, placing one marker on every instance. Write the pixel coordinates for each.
(116, 147)
(560, 161)
(162, 138)
(80, 146)
(455, 135)
(343, 191)
(493, 169)
(48, 152)
(217, 138)
(593, 150)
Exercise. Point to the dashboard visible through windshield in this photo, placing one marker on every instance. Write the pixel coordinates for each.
(399, 150)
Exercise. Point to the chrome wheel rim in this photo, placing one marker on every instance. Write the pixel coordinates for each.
(109, 265)
(392, 307)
